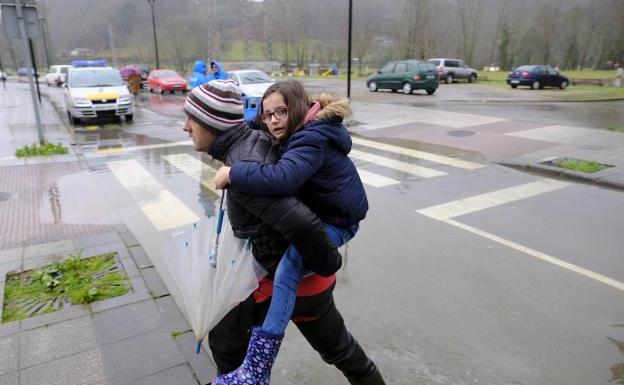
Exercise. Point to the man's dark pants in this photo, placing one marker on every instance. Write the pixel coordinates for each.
(316, 317)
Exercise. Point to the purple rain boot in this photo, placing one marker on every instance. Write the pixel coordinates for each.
(256, 368)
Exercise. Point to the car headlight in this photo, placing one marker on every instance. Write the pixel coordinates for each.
(124, 99)
(80, 101)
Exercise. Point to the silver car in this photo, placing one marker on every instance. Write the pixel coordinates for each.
(450, 70)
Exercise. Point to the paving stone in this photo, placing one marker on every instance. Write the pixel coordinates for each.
(51, 248)
(114, 247)
(9, 327)
(32, 263)
(130, 267)
(201, 363)
(48, 343)
(140, 257)
(96, 240)
(155, 285)
(139, 293)
(8, 267)
(129, 239)
(179, 375)
(10, 379)
(121, 228)
(76, 311)
(85, 368)
(140, 356)
(127, 321)
(173, 316)
(10, 255)
(9, 346)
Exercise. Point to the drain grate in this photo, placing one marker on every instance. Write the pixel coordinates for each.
(460, 133)
(59, 285)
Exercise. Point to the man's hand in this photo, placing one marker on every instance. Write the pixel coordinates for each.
(222, 177)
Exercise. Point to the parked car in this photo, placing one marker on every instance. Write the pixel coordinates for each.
(96, 92)
(57, 75)
(3, 76)
(165, 80)
(537, 77)
(253, 84)
(21, 72)
(407, 75)
(454, 69)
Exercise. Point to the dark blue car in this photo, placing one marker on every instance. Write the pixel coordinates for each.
(537, 77)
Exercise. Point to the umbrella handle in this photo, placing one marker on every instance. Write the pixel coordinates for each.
(221, 213)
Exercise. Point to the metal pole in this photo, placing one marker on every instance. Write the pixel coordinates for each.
(34, 67)
(22, 27)
(151, 3)
(44, 36)
(112, 44)
(349, 49)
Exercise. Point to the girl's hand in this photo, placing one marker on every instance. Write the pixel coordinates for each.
(222, 177)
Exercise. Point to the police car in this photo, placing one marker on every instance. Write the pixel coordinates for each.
(94, 90)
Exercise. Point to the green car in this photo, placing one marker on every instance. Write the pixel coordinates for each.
(407, 75)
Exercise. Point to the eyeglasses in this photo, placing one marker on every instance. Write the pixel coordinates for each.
(279, 113)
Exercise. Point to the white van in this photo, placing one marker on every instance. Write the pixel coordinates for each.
(97, 92)
(57, 75)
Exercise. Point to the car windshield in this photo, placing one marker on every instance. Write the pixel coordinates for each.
(95, 78)
(435, 62)
(167, 74)
(255, 77)
(525, 68)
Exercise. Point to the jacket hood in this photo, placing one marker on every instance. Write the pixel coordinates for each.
(328, 121)
(219, 67)
(332, 107)
(200, 66)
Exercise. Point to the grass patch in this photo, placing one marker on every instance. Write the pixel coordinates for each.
(74, 280)
(616, 129)
(45, 150)
(580, 165)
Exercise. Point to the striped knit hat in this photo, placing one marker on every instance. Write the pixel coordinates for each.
(216, 105)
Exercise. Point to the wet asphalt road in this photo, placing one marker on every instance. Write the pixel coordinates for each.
(430, 302)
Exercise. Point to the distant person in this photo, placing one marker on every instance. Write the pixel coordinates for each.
(216, 72)
(134, 85)
(198, 77)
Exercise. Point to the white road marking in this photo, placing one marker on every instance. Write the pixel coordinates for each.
(446, 211)
(491, 199)
(194, 168)
(396, 164)
(120, 150)
(434, 117)
(539, 255)
(159, 205)
(463, 164)
(375, 180)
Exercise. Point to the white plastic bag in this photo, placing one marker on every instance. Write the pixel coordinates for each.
(210, 293)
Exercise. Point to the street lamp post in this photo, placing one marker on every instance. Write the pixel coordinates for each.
(349, 49)
(151, 3)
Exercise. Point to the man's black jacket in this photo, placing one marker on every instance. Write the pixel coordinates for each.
(272, 223)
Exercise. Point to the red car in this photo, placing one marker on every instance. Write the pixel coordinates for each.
(165, 80)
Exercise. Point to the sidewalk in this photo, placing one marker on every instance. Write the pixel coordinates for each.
(137, 338)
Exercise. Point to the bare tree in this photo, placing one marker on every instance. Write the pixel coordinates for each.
(547, 24)
(412, 30)
(501, 13)
(470, 14)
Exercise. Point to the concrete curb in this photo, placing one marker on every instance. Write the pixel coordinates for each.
(535, 100)
(563, 173)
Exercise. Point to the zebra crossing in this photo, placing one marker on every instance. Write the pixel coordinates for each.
(166, 211)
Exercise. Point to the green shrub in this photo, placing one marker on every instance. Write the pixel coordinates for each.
(45, 150)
